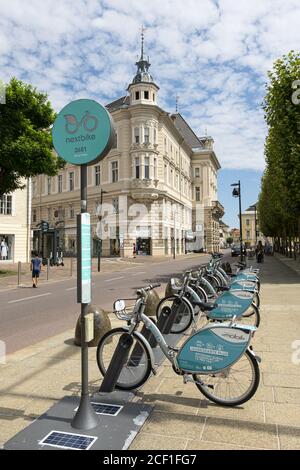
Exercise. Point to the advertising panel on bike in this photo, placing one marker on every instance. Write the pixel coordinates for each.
(213, 349)
(83, 132)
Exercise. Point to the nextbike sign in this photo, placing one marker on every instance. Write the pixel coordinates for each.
(83, 132)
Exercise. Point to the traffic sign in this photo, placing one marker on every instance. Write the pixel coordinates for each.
(83, 132)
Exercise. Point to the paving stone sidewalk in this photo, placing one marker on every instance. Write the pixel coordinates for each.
(36, 377)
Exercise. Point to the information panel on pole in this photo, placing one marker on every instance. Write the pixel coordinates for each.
(84, 276)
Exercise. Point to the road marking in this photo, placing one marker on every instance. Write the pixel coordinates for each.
(141, 272)
(29, 298)
(114, 279)
(72, 288)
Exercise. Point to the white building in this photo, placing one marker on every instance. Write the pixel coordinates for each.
(159, 183)
(15, 225)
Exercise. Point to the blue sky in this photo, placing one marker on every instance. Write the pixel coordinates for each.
(214, 54)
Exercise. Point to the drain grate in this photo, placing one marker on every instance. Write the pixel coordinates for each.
(105, 409)
(67, 440)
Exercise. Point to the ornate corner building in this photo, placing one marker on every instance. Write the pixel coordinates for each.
(155, 193)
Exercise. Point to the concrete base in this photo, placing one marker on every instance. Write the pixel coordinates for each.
(112, 433)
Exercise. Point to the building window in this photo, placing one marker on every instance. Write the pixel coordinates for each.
(155, 168)
(33, 215)
(197, 172)
(153, 96)
(166, 145)
(136, 135)
(137, 167)
(6, 205)
(197, 194)
(97, 175)
(114, 172)
(146, 95)
(248, 234)
(146, 135)
(71, 212)
(165, 173)
(137, 95)
(71, 181)
(248, 222)
(49, 185)
(171, 178)
(115, 204)
(147, 174)
(59, 183)
(177, 182)
(115, 146)
(154, 136)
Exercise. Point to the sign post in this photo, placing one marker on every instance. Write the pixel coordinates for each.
(82, 135)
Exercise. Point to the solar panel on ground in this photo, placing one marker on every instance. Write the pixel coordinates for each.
(105, 409)
(66, 440)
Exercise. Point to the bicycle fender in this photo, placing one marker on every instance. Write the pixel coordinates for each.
(149, 349)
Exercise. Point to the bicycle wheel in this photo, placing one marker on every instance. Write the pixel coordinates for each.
(251, 316)
(137, 367)
(234, 385)
(184, 315)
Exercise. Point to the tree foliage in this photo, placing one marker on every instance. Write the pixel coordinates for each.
(25, 139)
(279, 200)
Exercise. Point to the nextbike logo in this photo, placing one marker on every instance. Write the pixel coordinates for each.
(88, 122)
(234, 336)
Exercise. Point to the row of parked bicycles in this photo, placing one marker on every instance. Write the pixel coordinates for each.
(214, 315)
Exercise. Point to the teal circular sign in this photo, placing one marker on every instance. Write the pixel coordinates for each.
(83, 132)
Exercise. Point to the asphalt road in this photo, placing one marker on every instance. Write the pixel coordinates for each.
(28, 315)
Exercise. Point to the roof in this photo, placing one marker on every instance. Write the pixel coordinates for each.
(117, 104)
(186, 132)
(252, 208)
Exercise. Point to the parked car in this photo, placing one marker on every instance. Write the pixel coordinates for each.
(235, 250)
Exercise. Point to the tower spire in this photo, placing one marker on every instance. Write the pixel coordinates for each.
(143, 29)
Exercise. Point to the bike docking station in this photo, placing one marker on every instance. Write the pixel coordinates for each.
(83, 134)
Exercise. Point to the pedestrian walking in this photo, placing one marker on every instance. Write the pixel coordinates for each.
(259, 252)
(134, 250)
(36, 267)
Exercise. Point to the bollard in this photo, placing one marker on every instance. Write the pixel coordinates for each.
(19, 273)
(116, 364)
(48, 268)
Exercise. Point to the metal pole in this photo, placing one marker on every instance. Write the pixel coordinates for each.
(85, 417)
(100, 240)
(240, 211)
(48, 267)
(19, 273)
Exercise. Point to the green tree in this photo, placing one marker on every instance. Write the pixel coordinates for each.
(229, 240)
(279, 201)
(26, 143)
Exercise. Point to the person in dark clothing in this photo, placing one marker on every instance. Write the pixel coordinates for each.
(259, 252)
(36, 267)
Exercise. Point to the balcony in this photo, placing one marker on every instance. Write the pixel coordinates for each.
(217, 209)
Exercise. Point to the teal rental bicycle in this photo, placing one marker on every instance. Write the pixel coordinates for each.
(218, 358)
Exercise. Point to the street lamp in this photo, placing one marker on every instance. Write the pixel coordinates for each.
(100, 238)
(237, 193)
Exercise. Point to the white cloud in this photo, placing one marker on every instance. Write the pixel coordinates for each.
(214, 54)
